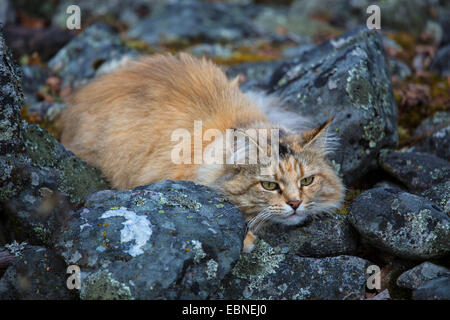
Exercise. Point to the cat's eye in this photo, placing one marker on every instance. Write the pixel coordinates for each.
(306, 181)
(269, 185)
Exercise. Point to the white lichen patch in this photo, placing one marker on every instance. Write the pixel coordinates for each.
(211, 269)
(137, 228)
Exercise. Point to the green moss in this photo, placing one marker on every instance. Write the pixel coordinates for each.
(101, 285)
(255, 266)
(78, 179)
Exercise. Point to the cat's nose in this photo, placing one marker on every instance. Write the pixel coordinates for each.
(295, 204)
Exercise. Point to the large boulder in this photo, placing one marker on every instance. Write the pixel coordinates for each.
(40, 179)
(267, 273)
(419, 275)
(417, 171)
(329, 236)
(177, 240)
(400, 223)
(36, 273)
(345, 78)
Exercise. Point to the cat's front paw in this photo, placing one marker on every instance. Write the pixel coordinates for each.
(249, 242)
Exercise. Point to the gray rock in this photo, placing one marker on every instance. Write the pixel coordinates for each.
(36, 274)
(256, 74)
(11, 100)
(346, 78)
(7, 12)
(401, 223)
(268, 274)
(33, 78)
(437, 289)
(418, 171)
(441, 62)
(129, 12)
(47, 111)
(211, 51)
(399, 69)
(194, 20)
(40, 179)
(419, 275)
(331, 235)
(79, 60)
(438, 144)
(438, 121)
(440, 195)
(176, 241)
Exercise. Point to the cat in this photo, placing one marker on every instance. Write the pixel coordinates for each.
(123, 122)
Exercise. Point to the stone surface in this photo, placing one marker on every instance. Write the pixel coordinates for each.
(440, 195)
(441, 62)
(427, 127)
(33, 78)
(254, 75)
(328, 236)
(417, 171)
(36, 274)
(347, 78)
(194, 20)
(436, 289)
(176, 241)
(268, 274)
(401, 223)
(40, 179)
(419, 275)
(79, 60)
(438, 144)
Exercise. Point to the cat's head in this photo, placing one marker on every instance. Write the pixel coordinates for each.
(287, 186)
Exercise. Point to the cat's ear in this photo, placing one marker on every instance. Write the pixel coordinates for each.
(318, 138)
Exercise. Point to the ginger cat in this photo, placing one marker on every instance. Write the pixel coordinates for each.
(123, 122)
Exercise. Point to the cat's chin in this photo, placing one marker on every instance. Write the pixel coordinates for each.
(293, 219)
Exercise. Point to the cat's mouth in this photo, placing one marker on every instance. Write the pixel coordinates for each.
(293, 219)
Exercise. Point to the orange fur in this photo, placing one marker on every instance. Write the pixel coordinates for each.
(122, 123)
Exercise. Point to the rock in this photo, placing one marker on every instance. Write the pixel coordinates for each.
(419, 275)
(40, 179)
(444, 20)
(33, 78)
(440, 195)
(255, 75)
(441, 62)
(346, 78)
(438, 121)
(36, 274)
(211, 51)
(189, 21)
(177, 240)
(438, 143)
(53, 179)
(268, 274)
(46, 111)
(418, 171)
(297, 51)
(329, 236)
(80, 59)
(399, 69)
(436, 289)
(129, 12)
(401, 223)
(11, 100)
(26, 41)
(7, 12)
